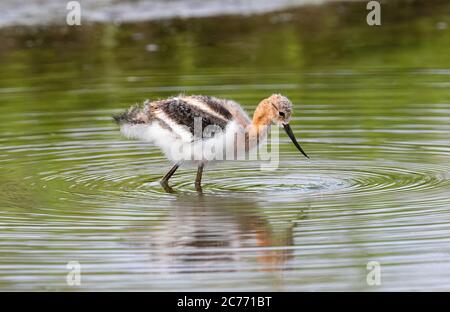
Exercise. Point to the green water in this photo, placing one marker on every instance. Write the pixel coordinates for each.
(372, 109)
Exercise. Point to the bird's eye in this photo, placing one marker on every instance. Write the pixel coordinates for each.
(281, 114)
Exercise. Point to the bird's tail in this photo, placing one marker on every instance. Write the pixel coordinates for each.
(134, 122)
(137, 114)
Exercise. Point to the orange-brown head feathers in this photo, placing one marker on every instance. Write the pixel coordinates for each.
(276, 109)
(281, 109)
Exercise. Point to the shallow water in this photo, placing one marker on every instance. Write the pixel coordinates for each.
(372, 109)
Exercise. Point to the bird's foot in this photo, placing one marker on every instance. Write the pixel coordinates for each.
(198, 187)
(167, 188)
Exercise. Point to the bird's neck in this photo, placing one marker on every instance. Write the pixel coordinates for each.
(261, 116)
(260, 122)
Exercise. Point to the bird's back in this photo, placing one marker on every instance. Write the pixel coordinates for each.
(184, 115)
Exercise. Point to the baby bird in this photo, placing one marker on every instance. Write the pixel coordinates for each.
(197, 129)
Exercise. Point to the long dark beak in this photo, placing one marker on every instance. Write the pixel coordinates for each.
(289, 132)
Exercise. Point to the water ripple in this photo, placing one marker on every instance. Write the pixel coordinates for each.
(86, 179)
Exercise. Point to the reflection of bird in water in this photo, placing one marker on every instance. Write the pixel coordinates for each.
(204, 128)
(219, 234)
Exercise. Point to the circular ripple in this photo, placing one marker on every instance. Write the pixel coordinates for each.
(87, 193)
(94, 165)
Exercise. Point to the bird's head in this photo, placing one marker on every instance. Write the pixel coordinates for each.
(280, 112)
(280, 109)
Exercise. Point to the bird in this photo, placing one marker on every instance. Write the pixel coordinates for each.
(198, 129)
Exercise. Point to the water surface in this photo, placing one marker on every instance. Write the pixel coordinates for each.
(372, 109)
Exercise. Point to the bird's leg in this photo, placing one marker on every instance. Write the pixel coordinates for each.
(164, 181)
(198, 178)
